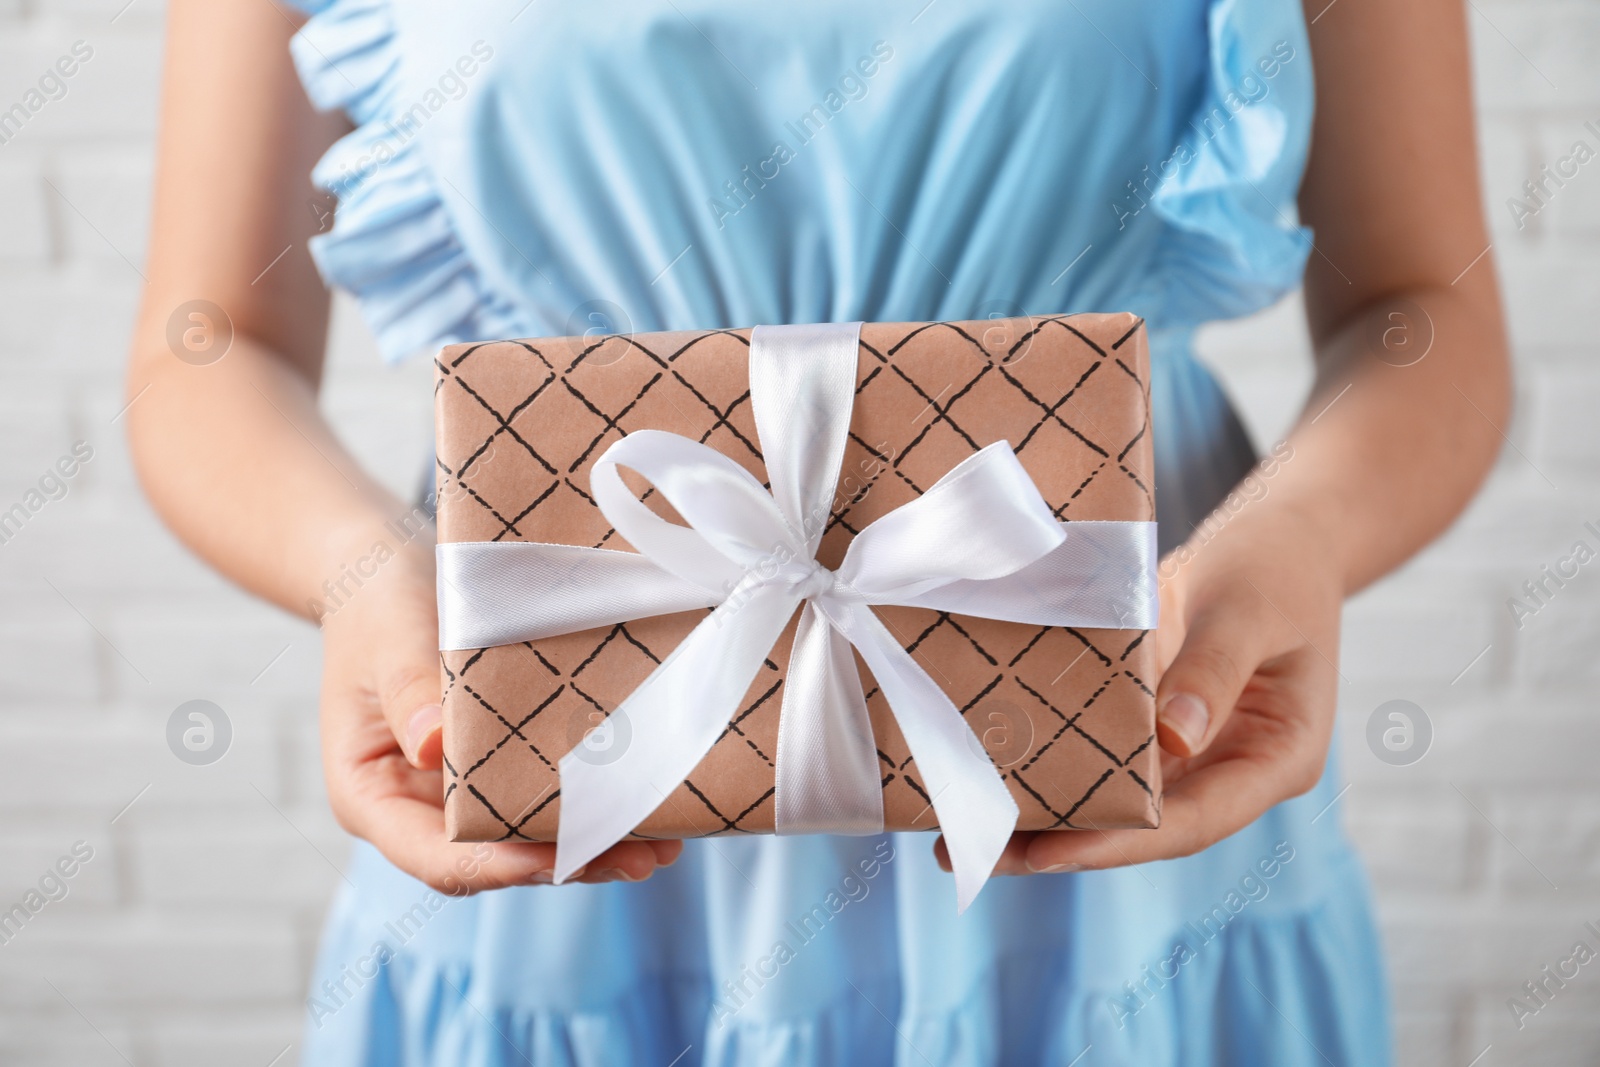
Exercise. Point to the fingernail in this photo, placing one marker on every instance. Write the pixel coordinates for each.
(424, 722)
(614, 874)
(1186, 715)
(542, 878)
(1057, 868)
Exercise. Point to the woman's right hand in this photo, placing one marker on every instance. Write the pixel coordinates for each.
(381, 742)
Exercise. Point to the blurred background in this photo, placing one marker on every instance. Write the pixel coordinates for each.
(200, 871)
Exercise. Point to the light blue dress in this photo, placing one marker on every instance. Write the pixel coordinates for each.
(529, 167)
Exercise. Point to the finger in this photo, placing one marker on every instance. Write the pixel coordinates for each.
(667, 852)
(411, 834)
(628, 861)
(1208, 805)
(407, 677)
(1221, 650)
(1013, 859)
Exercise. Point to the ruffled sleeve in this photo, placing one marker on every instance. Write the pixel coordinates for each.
(393, 244)
(1227, 197)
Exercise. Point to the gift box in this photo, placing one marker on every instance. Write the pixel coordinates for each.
(1064, 713)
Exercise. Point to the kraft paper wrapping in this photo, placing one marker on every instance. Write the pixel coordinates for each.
(1067, 715)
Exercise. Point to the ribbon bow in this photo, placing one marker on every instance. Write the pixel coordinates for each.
(980, 542)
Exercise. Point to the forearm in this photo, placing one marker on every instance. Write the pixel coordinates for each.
(1387, 452)
(244, 469)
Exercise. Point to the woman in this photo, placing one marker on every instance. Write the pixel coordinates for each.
(517, 169)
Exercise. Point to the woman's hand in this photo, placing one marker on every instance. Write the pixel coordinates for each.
(1248, 640)
(381, 742)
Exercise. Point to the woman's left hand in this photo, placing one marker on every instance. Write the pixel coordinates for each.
(1248, 642)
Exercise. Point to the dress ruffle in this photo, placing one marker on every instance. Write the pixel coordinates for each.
(1224, 1002)
(393, 244)
(1233, 243)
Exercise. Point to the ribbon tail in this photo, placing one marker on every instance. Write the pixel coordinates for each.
(974, 807)
(672, 720)
(827, 777)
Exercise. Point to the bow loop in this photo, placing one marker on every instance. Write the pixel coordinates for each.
(982, 520)
(733, 523)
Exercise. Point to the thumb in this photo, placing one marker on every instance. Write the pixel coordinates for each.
(407, 679)
(1221, 649)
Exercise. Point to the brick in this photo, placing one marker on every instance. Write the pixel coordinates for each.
(1556, 643)
(1530, 56)
(1443, 943)
(171, 644)
(1538, 737)
(127, 13)
(1545, 833)
(106, 543)
(1509, 153)
(1573, 208)
(129, 753)
(1562, 1034)
(144, 959)
(28, 852)
(33, 436)
(1546, 296)
(25, 238)
(256, 1038)
(67, 1041)
(1507, 532)
(113, 96)
(104, 206)
(1412, 629)
(67, 324)
(1562, 442)
(53, 655)
(1427, 1025)
(1411, 841)
(251, 856)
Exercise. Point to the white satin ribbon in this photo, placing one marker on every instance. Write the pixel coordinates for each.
(980, 541)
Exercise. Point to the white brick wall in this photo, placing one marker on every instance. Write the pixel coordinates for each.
(186, 939)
